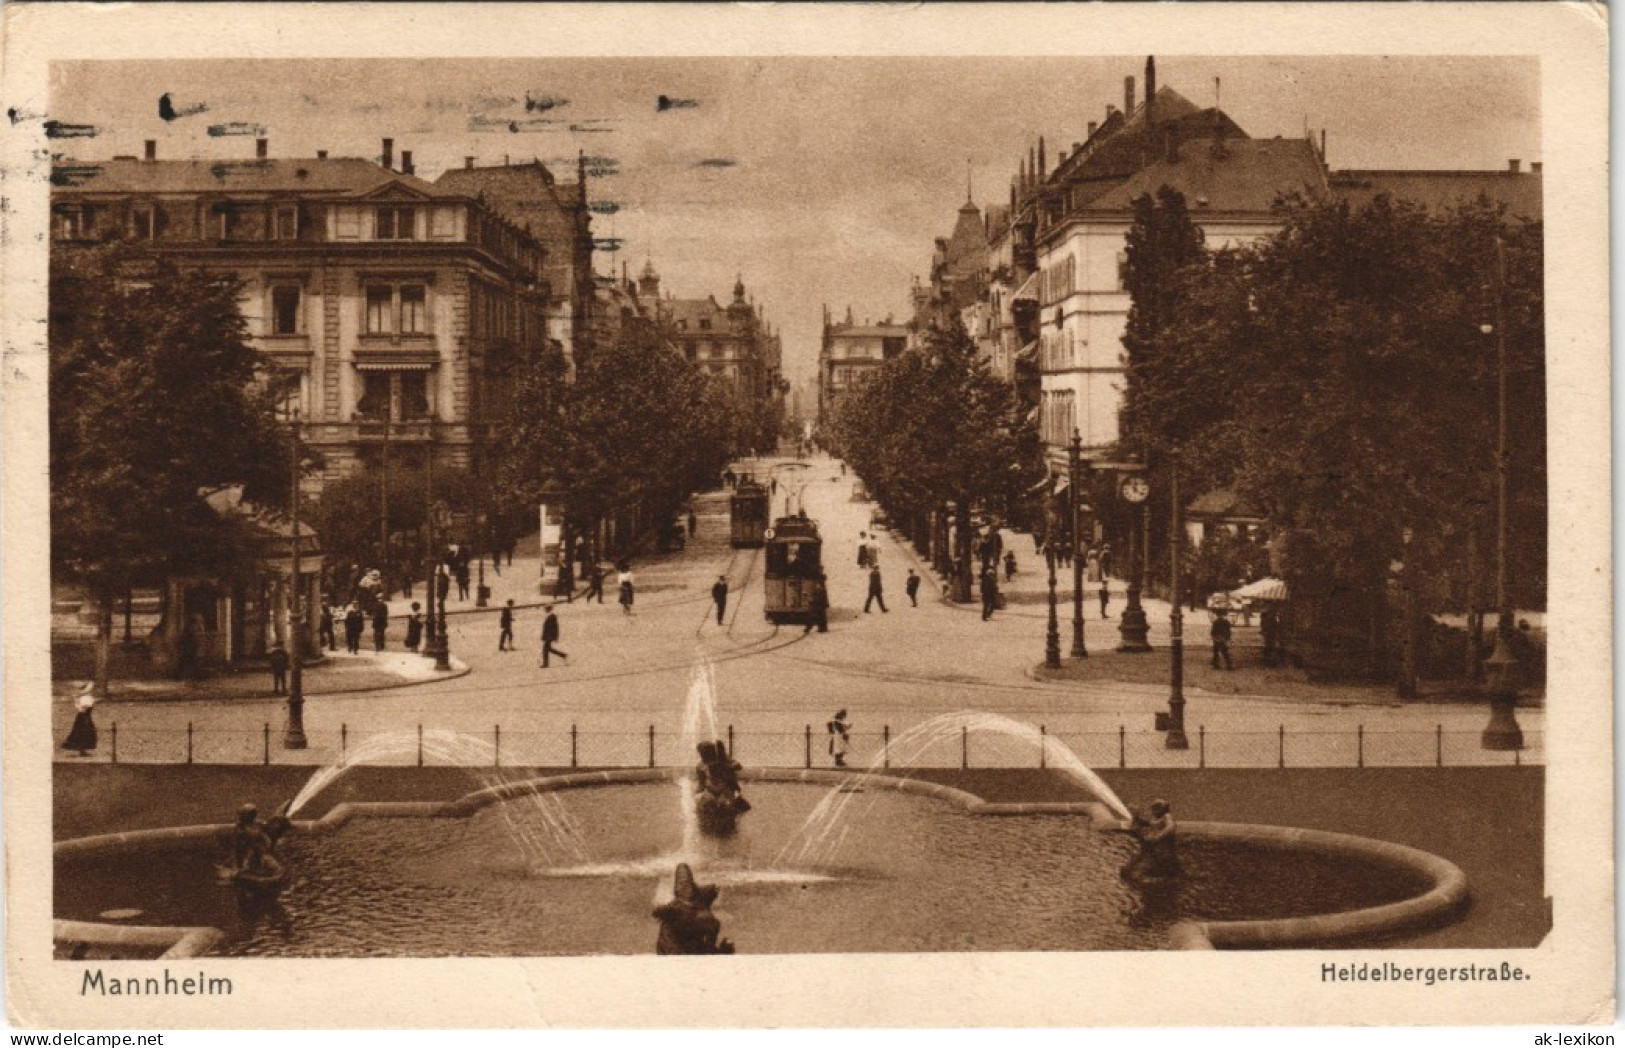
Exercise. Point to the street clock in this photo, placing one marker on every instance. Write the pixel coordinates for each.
(1135, 489)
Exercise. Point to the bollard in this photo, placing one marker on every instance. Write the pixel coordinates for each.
(115, 742)
(809, 745)
(189, 742)
(1122, 746)
(651, 745)
(1359, 745)
(1043, 745)
(344, 742)
(730, 740)
(267, 743)
(420, 745)
(1201, 745)
(572, 745)
(1438, 745)
(885, 745)
(964, 746)
(496, 746)
(1282, 748)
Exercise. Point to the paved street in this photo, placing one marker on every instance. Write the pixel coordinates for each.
(627, 674)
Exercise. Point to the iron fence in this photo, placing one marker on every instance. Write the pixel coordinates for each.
(577, 746)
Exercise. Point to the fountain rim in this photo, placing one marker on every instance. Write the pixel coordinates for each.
(1446, 894)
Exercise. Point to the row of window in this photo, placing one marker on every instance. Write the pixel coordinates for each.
(392, 309)
(1058, 416)
(238, 222)
(1058, 281)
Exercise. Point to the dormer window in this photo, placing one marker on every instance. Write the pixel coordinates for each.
(395, 223)
(240, 222)
(705, 324)
(144, 222)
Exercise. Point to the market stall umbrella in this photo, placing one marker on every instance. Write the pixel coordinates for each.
(1263, 589)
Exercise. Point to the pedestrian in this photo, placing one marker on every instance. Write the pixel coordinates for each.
(875, 590)
(505, 640)
(1009, 565)
(566, 585)
(1221, 640)
(277, 658)
(595, 582)
(550, 637)
(442, 583)
(990, 592)
(414, 627)
(773, 485)
(324, 632)
(628, 589)
(719, 595)
(1105, 596)
(380, 625)
(82, 736)
(354, 623)
(1105, 561)
(819, 603)
(462, 577)
(840, 738)
(1092, 565)
(693, 522)
(863, 549)
(911, 586)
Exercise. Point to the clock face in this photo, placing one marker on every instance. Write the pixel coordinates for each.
(1136, 489)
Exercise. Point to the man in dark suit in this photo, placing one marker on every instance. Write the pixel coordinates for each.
(719, 595)
(550, 637)
(875, 590)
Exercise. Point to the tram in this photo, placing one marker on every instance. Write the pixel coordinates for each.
(794, 567)
(747, 515)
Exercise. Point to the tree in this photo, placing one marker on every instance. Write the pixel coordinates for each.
(639, 426)
(1337, 377)
(935, 427)
(156, 400)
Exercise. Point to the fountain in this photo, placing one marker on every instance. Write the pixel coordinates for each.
(916, 867)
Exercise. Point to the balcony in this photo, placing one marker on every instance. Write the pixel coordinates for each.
(283, 347)
(397, 349)
(417, 431)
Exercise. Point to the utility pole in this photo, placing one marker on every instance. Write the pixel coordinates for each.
(1502, 732)
(1176, 739)
(1075, 468)
(294, 737)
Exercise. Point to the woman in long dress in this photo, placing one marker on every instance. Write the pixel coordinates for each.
(82, 736)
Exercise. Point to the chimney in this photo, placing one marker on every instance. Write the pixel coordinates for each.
(1128, 94)
(321, 154)
(1150, 81)
(1534, 167)
(1042, 164)
(1094, 125)
(262, 148)
(468, 163)
(389, 153)
(152, 149)
(406, 162)
(1513, 166)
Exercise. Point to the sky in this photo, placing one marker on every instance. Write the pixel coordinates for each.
(818, 180)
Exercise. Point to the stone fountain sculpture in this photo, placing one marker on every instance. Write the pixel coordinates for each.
(718, 800)
(1157, 861)
(687, 925)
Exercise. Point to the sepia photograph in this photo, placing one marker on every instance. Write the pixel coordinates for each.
(1091, 503)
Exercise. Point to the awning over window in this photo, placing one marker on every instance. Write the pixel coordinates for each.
(1028, 292)
(1263, 589)
(1029, 351)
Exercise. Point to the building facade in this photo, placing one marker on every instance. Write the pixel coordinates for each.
(849, 352)
(395, 312)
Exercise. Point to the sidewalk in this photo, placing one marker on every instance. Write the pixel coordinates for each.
(338, 672)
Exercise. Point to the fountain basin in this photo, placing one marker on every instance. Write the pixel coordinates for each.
(924, 871)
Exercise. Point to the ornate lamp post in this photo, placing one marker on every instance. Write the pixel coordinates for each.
(440, 643)
(1176, 739)
(1052, 633)
(293, 738)
(1075, 469)
(1502, 732)
(1133, 628)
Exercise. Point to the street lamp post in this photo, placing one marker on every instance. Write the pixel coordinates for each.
(1502, 732)
(1052, 633)
(1176, 739)
(293, 738)
(1075, 468)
